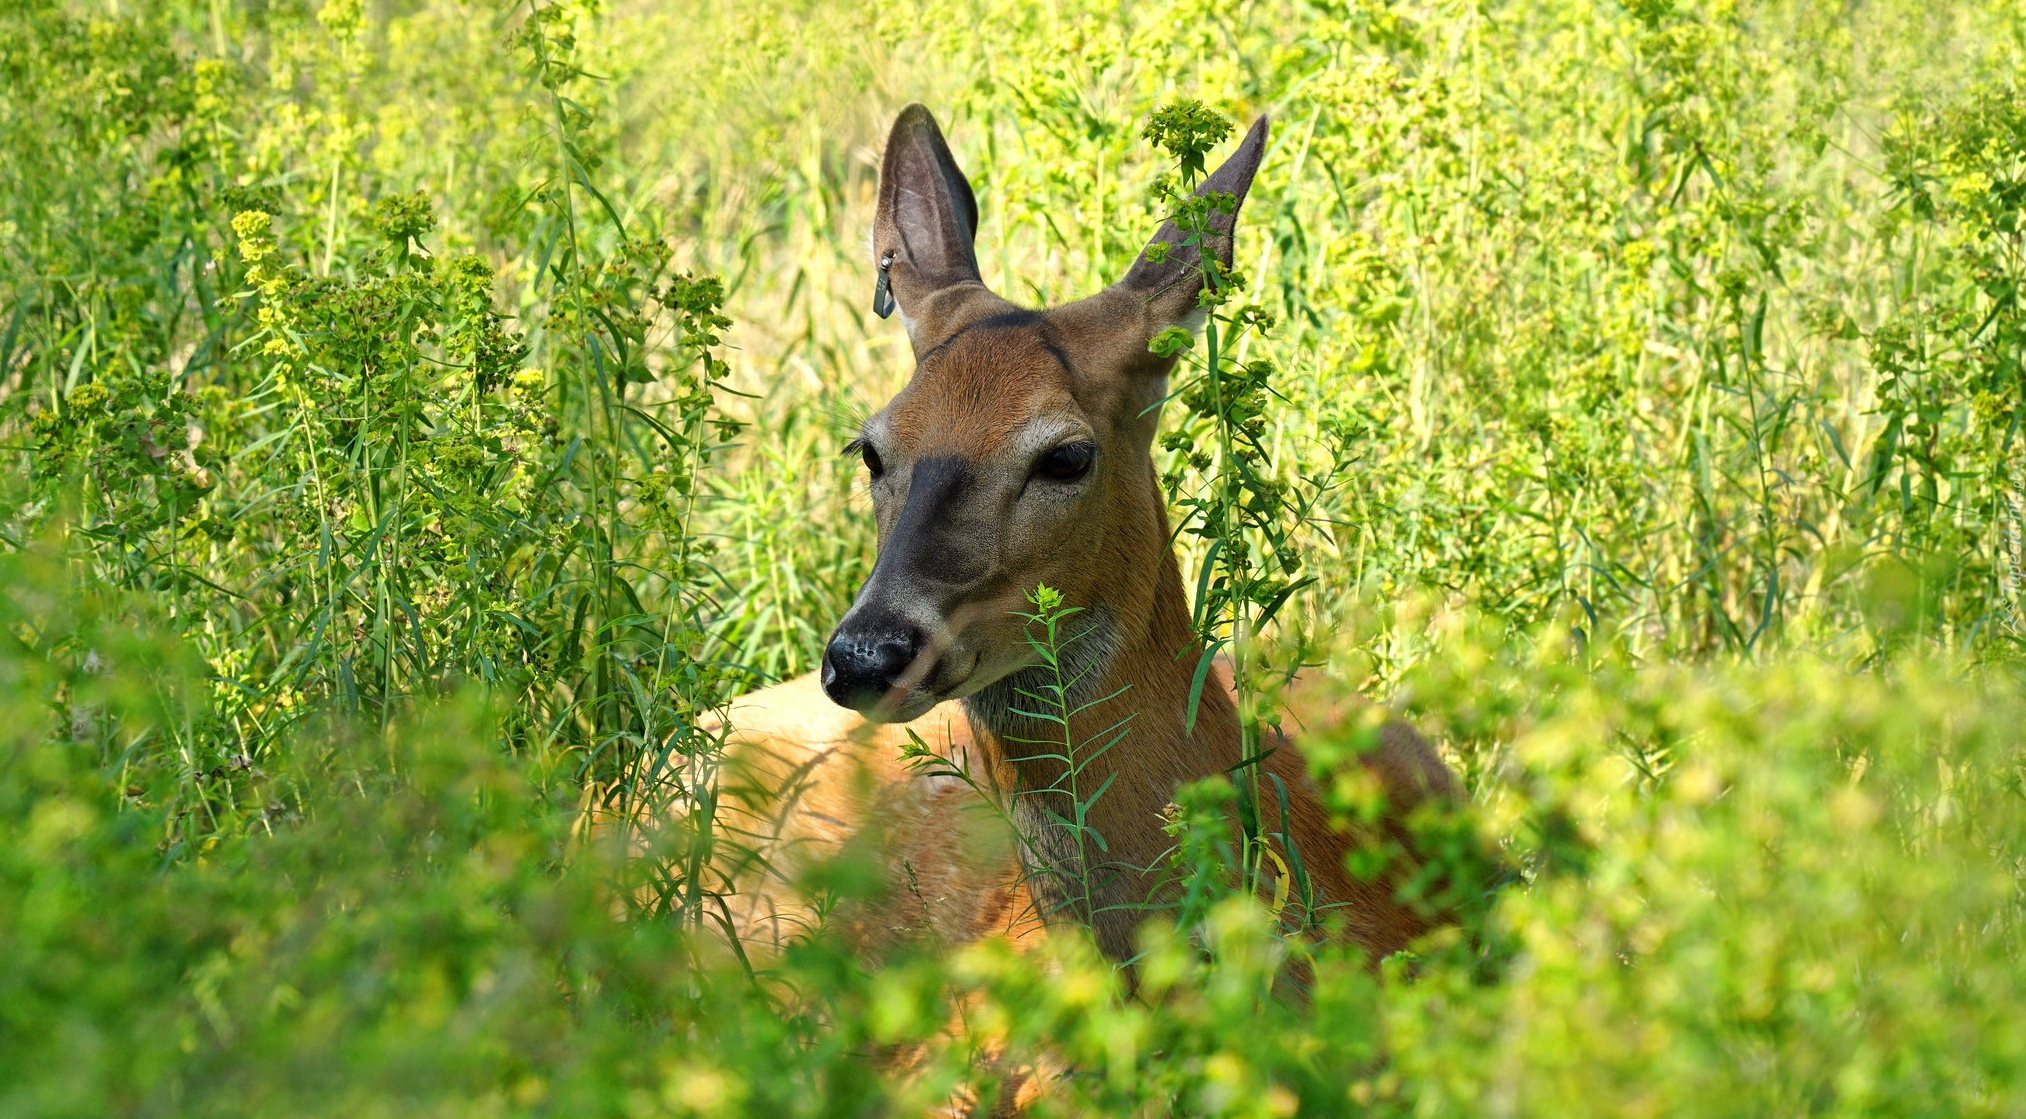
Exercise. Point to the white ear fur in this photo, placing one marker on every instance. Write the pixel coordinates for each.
(927, 218)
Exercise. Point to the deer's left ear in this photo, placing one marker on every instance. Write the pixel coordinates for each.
(1168, 280)
(923, 232)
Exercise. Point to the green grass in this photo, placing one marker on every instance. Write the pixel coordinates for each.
(388, 498)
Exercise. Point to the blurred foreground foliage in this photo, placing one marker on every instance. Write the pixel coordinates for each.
(1790, 890)
(382, 515)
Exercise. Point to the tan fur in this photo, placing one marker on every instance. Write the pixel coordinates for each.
(811, 782)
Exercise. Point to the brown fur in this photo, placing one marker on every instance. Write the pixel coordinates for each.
(968, 525)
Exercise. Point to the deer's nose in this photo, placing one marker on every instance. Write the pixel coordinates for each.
(859, 669)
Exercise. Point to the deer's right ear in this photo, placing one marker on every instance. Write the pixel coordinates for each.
(1168, 279)
(924, 232)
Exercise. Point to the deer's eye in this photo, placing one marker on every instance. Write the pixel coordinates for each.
(863, 449)
(1067, 463)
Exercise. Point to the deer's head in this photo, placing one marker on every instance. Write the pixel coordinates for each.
(1019, 453)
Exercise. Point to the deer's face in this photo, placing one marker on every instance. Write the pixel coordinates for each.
(1001, 466)
(1018, 455)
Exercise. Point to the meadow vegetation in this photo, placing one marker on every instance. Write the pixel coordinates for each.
(423, 416)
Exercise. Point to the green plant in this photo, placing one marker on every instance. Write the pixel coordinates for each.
(1063, 808)
(1641, 400)
(1246, 513)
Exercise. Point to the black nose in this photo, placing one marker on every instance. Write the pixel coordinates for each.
(859, 668)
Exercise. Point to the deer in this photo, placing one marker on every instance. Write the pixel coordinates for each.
(1019, 454)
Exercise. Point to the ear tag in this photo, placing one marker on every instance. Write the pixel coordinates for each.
(882, 292)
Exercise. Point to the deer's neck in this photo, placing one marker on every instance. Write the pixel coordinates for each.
(1141, 652)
